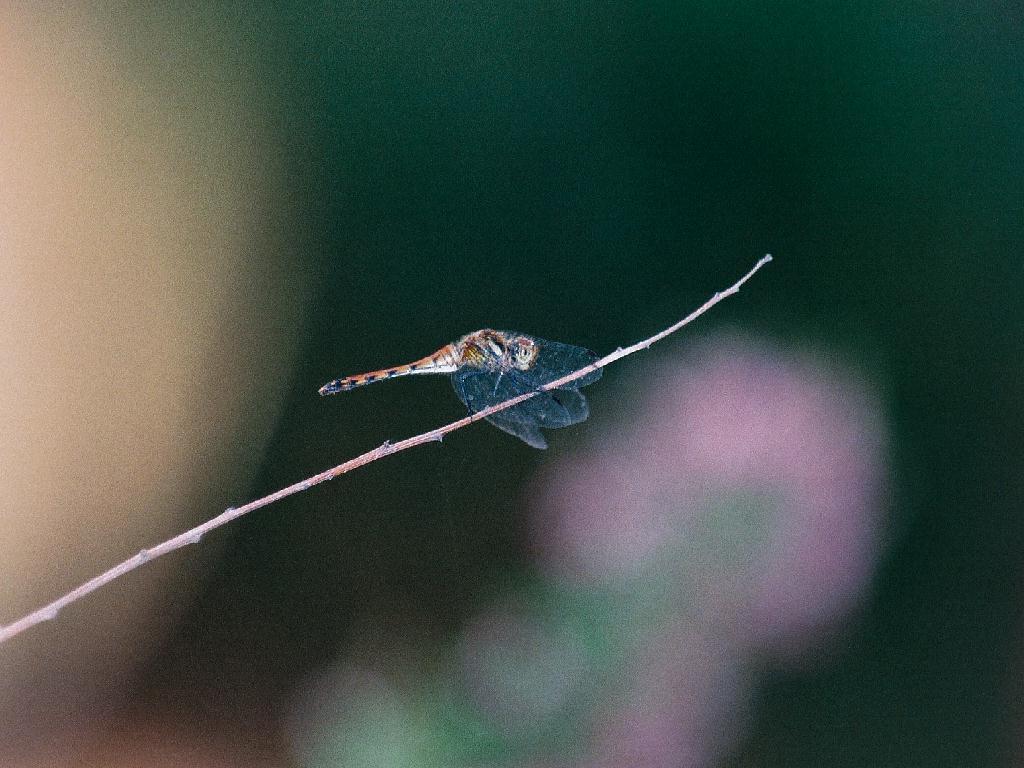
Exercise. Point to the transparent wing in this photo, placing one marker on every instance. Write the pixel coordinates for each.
(559, 408)
(528, 433)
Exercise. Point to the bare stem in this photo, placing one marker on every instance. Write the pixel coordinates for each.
(193, 535)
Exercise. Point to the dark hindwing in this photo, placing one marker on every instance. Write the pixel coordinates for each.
(479, 389)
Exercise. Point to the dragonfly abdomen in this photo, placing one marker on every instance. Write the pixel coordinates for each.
(441, 361)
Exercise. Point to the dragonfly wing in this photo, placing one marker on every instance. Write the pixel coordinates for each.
(555, 360)
(524, 430)
(572, 406)
(559, 408)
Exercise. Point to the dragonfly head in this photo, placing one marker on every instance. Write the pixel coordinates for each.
(523, 353)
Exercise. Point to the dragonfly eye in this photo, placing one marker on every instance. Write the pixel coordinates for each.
(524, 352)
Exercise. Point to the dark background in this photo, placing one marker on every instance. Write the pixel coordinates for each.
(590, 173)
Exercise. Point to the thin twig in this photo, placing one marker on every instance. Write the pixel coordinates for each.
(193, 535)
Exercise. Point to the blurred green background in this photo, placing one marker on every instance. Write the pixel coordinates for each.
(590, 173)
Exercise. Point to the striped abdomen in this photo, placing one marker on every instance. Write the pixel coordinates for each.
(442, 361)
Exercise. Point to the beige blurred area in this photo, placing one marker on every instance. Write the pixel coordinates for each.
(148, 314)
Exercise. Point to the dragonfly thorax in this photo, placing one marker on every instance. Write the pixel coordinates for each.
(497, 351)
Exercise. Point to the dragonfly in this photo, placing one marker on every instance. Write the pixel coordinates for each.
(488, 367)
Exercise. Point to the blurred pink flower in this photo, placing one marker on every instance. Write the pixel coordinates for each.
(735, 421)
(737, 507)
